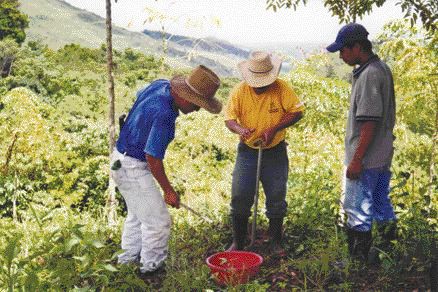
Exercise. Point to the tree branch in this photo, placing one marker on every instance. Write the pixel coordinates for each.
(5, 167)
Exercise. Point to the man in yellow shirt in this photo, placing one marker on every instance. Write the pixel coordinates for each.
(260, 108)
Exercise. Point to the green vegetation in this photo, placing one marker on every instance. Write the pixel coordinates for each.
(12, 21)
(54, 172)
(348, 11)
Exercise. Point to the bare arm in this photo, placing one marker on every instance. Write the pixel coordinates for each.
(367, 130)
(287, 120)
(157, 169)
(234, 127)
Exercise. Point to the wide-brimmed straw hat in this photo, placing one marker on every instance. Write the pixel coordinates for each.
(199, 88)
(261, 69)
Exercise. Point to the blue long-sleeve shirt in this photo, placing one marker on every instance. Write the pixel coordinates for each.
(150, 125)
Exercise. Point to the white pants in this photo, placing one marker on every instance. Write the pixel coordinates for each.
(147, 227)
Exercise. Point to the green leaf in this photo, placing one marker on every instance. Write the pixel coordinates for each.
(12, 250)
(78, 226)
(71, 243)
(325, 262)
(116, 254)
(97, 244)
(110, 268)
(299, 249)
(35, 216)
(81, 259)
(31, 283)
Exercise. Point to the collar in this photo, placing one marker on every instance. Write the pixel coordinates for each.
(173, 103)
(373, 58)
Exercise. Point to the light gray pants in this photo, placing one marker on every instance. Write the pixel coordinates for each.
(147, 227)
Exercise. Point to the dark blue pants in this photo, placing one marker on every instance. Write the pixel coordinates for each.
(273, 176)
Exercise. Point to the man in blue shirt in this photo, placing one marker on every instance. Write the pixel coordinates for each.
(138, 160)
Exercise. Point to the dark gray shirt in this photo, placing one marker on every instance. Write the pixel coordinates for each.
(372, 99)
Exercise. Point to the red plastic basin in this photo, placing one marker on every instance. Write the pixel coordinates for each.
(234, 267)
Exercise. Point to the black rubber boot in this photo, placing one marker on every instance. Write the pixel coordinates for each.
(240, 228)
(359, 244)
(276, 235)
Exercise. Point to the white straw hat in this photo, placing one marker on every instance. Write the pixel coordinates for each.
(261, 69)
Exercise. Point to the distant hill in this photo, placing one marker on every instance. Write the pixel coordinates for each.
(207, 44)
(58, 23)
(295, 50)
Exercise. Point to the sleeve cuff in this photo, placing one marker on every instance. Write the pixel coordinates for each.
(297, 108)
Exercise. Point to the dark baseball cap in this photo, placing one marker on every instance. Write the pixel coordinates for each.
(347, 34)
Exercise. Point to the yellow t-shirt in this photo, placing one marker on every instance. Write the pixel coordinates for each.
(263, 111)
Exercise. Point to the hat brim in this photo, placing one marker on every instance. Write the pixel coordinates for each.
(260, 79)
(334, 47)
(211, 104)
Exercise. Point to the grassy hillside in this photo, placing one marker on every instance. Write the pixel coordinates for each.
(58, 23)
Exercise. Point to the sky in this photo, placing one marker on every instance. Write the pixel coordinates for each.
(242, 22)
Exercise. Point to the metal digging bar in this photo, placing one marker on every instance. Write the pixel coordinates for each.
(206, 219)
(256, 196)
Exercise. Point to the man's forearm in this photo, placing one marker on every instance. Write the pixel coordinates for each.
(288, 120)
(157, 169)
(233, 126)
(365, 139)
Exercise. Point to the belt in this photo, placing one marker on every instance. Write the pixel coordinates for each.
(126, 153)
(245, 147)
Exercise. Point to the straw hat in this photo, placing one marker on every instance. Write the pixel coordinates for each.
(261, 69)
(199, 88)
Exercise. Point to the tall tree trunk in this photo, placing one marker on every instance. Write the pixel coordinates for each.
(109, 52)
(433, 272)
(432, 169)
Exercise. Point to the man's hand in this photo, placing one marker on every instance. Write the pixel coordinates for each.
(354, 169)
(268, 136)
(172, 198)
(365, 138)
(287, 120)
(245, 133)
(157, 168)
